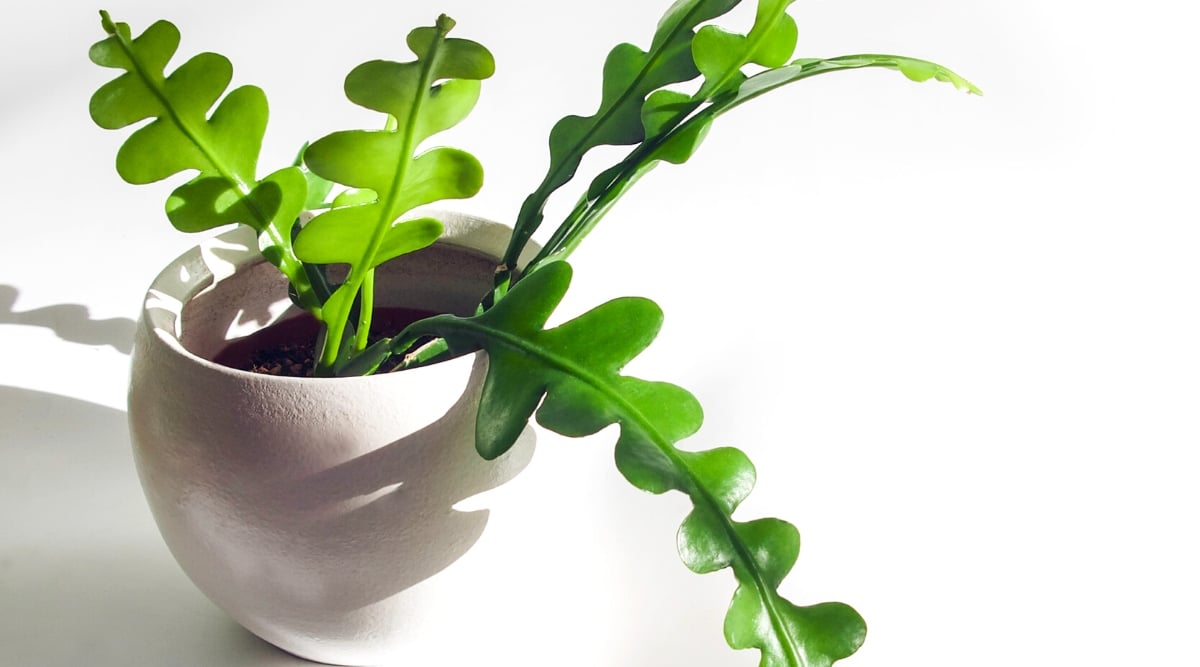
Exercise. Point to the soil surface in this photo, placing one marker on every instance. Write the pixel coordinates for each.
(287, 348)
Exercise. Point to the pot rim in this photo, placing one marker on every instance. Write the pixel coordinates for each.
(218, 257)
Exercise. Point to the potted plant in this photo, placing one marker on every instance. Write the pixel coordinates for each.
(310, 507)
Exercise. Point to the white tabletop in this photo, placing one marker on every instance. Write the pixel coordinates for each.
(958, 336)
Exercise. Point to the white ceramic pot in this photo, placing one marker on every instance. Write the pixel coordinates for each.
(316, 512)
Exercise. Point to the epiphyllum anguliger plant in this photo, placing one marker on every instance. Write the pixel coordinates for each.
(568, 376)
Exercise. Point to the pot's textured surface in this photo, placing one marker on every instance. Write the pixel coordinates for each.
(316, 512)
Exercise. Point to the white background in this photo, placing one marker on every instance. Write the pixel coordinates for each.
(957, 335)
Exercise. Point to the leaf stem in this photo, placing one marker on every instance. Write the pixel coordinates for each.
(366, 307)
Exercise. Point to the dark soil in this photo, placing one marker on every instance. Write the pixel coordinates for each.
(287, 348)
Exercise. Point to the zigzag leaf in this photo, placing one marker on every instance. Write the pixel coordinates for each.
(715, 53)
(421, 97)
(182, 136)
(678, 129)
(630, 75)
(570, 377)
(223, 148)
(720, 54)
(679, 145)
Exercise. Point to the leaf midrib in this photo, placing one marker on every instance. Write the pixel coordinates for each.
(192, 135)
(288, 262)
(663, 444)
(365, 265)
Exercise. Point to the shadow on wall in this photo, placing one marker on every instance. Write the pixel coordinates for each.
(72, 322)
(84, 576)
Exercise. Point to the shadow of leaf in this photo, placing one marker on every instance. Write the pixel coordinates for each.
(71, 322)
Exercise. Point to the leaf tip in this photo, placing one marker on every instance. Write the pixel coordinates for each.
(106, 22)
(959, 82)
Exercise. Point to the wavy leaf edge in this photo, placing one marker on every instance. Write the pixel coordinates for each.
(570, 380)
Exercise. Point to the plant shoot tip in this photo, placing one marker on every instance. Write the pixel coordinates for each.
(106, 22)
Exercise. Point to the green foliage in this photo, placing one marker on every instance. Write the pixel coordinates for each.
(677, 136)
(630, 74)
(672, 124)
(421, 98)
(569, 376)
(223, 148)
(649, 110)
(721, 54)
(388, 175)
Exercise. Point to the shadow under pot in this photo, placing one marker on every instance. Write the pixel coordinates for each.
(318, 512)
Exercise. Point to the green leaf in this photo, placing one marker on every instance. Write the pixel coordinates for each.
(318, 188)
(181, 136)
(129, 99)
(676, 144)
(630, 75)
(222, 146)
(717, 54)
(394, 89)
(333, 240)
(420, 98)
(661, 110)
(804, 68)
(680, 144)
(354, 197)
(196, 205)
(720, 54)
(570, 378)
